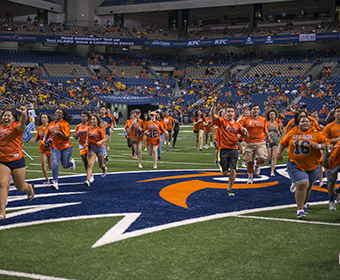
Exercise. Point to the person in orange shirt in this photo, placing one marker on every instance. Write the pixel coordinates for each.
(112, 125)
(12, 160)
(80, 133)
(169, 127)
(45, 154)
(198, 128)
(127, 135)
(304, 156)
(332, 132)
(255, 144)
(136, 135)
(153, 130)
(228, 142)
(208, 130)
(331, 162)
(159, 118)
(61, 147)
(96, 138)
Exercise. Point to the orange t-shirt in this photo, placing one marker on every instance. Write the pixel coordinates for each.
(10, 143)
(335, 157)
(169, 123)
(162, 125)
(332, 130)
(127, 125)
(217, 137)
(208, 127)
(256, 128)
(82, 132)
(199, 125)
(155, 130)
(40, 136)
(300, 149)
(228, 133)
(95, 135)
(57, 141)
(136, 131)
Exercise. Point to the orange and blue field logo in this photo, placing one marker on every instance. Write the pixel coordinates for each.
(151, 201)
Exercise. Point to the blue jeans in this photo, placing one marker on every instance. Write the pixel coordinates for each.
(63, 156)
(161, 140)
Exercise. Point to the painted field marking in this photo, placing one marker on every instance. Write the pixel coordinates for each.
(30, 275)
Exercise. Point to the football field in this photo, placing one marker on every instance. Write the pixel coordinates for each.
(174, 222)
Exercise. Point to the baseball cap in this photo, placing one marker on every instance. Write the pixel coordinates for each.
(302, 104)
(137, 111)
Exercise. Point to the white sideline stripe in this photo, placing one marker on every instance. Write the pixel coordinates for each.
(288, 220)
(24, 197)
(30, 275)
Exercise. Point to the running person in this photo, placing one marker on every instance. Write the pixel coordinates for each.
(61, 147)
(153, 130)
(198, 128)
(136, 135)
(255, 144)
(169, 127)
(304, 156)
(12, 160)
(331, 162)
(127, 135)
(159, 118)
(107, 124)
(177, 123)
(208, 130)
(96, 138)
(80, 133)
(111, 126)
(228, 146)
(274, 132)
(217, 136)
(45, 154)
(332, 132)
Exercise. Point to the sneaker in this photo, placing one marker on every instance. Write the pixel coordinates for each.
(108, 148)
(230, 193)
(106, 160)
(167, 149)
(206, 146)
(257, 170)
(136, 156)
(140, 166)
(323, 184)
(159, 158)
(87, 183)
(196, 147)
(250, 180)
(104, 172)
(244, 164)
(201, 150)
(145, 149)
(337, 190)
(133, 157)
(92, 179)
(292, 188)
(73, 167)
(54, 186)
(272, 174)
(216, 162)
(211, 144)
(155, 166)
(332, 205)
(305, 208)
(301, 215)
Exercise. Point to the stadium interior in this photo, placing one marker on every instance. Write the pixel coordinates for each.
(77, 75)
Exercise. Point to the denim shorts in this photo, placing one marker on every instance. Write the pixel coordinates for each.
(297, 175)
(20, 163)
(332, 174)
(99, 151)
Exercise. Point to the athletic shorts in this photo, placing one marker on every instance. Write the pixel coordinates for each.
(20, 163)
(99, 151)
(332, 174)
(254, 150)
(227, 158)
(272, 144)
(297, 175)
